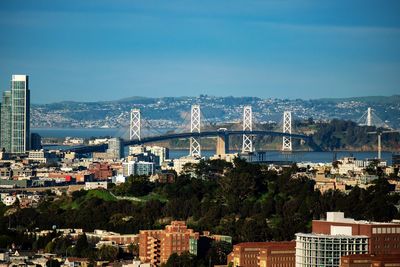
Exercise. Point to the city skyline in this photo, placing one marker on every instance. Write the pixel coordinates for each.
(285, 49)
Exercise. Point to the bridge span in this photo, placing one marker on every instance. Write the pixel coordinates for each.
(222, 135)
(247, 132)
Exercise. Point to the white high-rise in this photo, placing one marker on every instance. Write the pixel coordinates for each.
(20, 114)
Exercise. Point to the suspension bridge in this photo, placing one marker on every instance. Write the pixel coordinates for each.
(196, 132)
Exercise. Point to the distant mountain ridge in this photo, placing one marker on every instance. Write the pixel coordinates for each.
(366, 99)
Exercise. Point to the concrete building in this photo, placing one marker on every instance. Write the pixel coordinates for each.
(36, 141)
(115, 148)
(384, 237)
(98, 141)
(144, 168)
(314, 250)
(95, 185)
(41, 156)
(138, 168)
(162, 153)
(128, 168)
(339, 236)
(103, 235)
(227, 157)
(155, 246)
(133, 150)
(263, 254)
(370, 260)
(20, 114)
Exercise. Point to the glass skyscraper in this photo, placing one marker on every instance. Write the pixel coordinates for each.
(5, 131)
(20, 113)
(15, 116)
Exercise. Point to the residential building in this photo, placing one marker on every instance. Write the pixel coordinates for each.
(115, 148)
(144, 168)
(161, 153)
(155, 246)
(263, 254)
(128, 168)
(20, 114)
(101, 170)
(76, 262)
(138, 168)
(41, 156)
(133, 150)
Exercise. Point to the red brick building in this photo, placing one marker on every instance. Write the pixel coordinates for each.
(384, 238)
(369, 260)
(263, 254)
(155, 246)
(100, 170)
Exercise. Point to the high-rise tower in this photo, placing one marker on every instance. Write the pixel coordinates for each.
(20, 114)
(5, 132)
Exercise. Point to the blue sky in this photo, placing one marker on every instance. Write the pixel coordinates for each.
(104, 50)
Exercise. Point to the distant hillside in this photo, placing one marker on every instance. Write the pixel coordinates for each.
(394, 99)
(173, 112)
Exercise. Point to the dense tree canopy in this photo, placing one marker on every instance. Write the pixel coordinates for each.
(245, 201)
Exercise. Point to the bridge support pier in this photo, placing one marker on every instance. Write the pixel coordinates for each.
(222, 144)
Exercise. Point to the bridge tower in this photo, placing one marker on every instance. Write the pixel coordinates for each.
(369, 116)
(134, 129)
(287, 128)
(247, 145)
(195, 150)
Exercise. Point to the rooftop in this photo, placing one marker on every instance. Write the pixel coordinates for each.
(338, 217)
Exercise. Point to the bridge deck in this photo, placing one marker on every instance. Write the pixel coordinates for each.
(152, 139)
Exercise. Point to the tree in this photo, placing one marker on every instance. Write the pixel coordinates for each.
(183, 260)
(53, 263)
(107, 253)
(82, 247)
(133, 249)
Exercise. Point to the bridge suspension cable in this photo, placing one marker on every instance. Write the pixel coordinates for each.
(369, 118)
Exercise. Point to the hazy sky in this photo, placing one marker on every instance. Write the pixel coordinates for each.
(104, 50)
